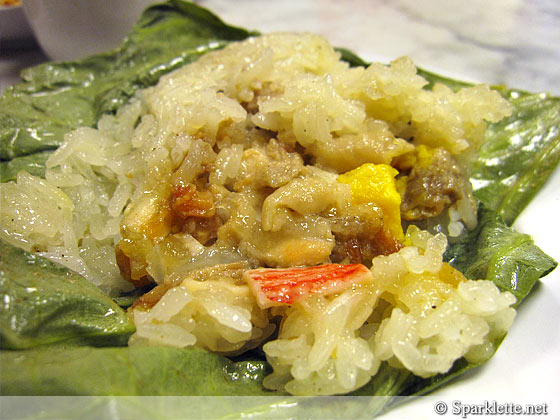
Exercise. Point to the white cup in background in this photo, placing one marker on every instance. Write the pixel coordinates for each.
(73, 29)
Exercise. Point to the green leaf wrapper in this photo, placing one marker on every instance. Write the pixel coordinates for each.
(43, 303)
(519, 155)
(494, 251)
(34, 164)
(128, 371)
(57, 97)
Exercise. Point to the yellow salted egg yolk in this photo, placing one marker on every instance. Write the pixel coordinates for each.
(376, 184)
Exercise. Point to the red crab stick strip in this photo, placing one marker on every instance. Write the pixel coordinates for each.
(285, 286)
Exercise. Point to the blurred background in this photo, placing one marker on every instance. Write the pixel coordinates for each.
(514, 42)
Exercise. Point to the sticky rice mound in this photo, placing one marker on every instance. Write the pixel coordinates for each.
(275, 153)
(418, 313)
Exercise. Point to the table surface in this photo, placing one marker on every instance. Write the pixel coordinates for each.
(512, 42)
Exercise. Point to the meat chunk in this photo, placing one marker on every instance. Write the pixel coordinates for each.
(360, 235)
(124, 264)
(232, 270)
(269, 166)
(187, 201)
(435, 182)
(376, 145)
